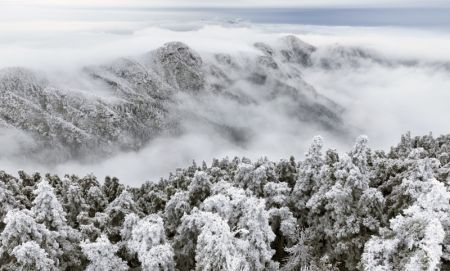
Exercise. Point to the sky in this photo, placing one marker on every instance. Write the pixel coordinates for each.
(229, 3)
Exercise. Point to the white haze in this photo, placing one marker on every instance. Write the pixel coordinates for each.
(383, 102)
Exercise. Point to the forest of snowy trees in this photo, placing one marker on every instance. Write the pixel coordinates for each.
(361, 210)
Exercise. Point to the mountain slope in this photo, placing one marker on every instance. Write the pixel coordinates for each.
(130, 101)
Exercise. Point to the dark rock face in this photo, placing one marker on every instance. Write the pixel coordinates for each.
(181, 66)
(141, 95)
(295, 50)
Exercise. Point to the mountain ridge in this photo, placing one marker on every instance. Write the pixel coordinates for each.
(145, 91)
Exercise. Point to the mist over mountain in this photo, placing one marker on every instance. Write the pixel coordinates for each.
(154, 94)
(262, 95)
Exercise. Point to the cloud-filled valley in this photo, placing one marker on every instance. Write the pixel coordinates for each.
(226, 89)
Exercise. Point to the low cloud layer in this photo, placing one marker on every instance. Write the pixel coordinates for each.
(382, 100)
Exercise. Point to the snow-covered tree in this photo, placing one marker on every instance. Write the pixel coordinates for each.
(284, 225)
(20, 227)
(176, 207)
(30, 256)
(200, 187)
(122, 205)
(147, 233)
(360, 154)
(185, 241)
(308, 177)
(301, 253)
(116, 211)
(254, 176)
(216, 247)
(152, 199)
(74, 203)
(48, 210)
(7, 202)
(277, 194)
(147, 239)
(128, 224)
(159, 257)
(414, 240)
(207, 238)
(403, 148)
(102, 255)
(353, 212)
(95, 200)
(249, 217)
(46, 207)
(226, 202)
(342, 210)
(286, 171)
(255, 229)
(112, 188)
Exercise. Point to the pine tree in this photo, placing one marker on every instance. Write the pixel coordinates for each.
(20, 227)
(115, 214)
(30, 256)
(353, 209)
(102, 255)
(95, 200)
(414, 239)
(308, 178)
(276, 194)
(159, 257)
(206, 237)
(342, 211)
(147, 239)
(284, 225)
(74, 204)
(255, 229)
(254, 176)
(216, 247)
(200, 188)
(250, 218)
(46, 207)
(177, 206)
(7, 203)
(112, 188)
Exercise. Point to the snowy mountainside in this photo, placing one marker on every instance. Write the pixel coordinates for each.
(146, 97)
